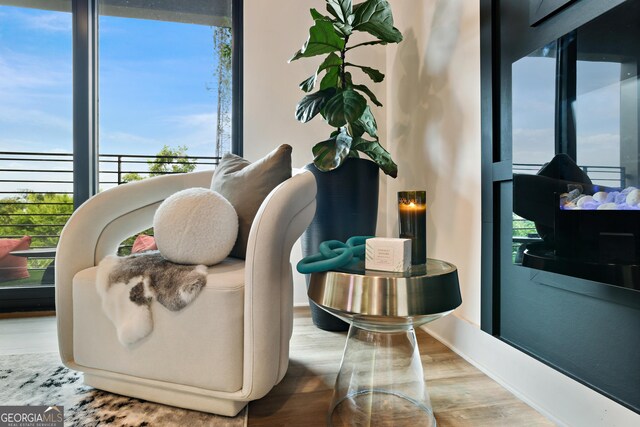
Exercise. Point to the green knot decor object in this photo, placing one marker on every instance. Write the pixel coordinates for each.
(334, 254)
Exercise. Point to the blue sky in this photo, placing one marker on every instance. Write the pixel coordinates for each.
(597, 111)
(154, 80)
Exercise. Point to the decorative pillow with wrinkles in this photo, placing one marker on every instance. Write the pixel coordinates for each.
(247, 184)
(143, 243)
(11, 266)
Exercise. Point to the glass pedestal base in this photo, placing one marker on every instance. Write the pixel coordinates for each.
(381, 381)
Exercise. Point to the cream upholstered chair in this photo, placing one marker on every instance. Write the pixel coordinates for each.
(229, 346)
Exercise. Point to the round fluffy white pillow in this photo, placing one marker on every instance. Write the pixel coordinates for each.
(195, 226)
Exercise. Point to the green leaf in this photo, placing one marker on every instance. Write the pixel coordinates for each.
(367, 91)
(311, 105)
(368, 123)
(344, 107)
(308, 84)
(330, 79)
(322, 39)
(373, 74)
(375, 17)
(343, 29)
(361, 88)
(378, 154)
(317, 15)
(341, 9)
(355, 130)
(331, 62)
(330, 154)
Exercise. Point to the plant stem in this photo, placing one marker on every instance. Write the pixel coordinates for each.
(343, 53)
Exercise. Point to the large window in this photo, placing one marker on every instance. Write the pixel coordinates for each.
(92, 92)
(35, 144)
(164, 83)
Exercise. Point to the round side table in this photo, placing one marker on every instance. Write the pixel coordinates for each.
(381, 380)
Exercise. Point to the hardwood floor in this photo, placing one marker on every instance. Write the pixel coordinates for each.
(460, 394)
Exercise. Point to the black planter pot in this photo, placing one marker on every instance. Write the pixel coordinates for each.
(347, 205)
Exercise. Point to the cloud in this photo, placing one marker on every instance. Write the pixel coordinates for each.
(193, 126)
(537, 146)
(49, 21)
(120, 137)
(604, 141)
(35, 118)
(58, 150)
(533, 145)
(190, 120)
(198, 132)
(19, 71)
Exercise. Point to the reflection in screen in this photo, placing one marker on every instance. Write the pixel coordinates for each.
(533, 93)
(575, 152)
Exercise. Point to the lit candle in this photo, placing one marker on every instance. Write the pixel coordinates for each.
(412, 213)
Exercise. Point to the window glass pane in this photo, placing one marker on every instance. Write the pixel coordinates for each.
(597, 110)
(533, 132)
(35, 138)
(580, 214)
(533, 96)
(165, 86)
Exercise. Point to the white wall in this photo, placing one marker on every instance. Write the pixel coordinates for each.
(433, 122)
(274, 31)
(433, 126)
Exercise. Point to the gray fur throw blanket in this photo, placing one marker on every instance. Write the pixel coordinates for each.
(128, 285)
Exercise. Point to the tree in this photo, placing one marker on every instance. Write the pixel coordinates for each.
(167, 160)
(222, 47)
(171, 160)
(38, 215)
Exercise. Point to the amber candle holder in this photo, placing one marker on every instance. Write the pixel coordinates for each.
(412, 213)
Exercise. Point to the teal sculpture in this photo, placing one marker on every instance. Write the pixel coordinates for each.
(334, 254)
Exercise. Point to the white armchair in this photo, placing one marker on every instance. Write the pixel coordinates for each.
(230, 346)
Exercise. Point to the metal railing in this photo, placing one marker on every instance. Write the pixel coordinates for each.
(610, 176)
(36, 190)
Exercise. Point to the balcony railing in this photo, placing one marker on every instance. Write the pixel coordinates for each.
(36, 191)
(610, 176)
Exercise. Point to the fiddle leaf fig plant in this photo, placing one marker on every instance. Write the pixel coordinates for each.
(340, 101)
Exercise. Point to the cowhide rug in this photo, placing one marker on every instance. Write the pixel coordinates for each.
(128, 285)
(41, 379)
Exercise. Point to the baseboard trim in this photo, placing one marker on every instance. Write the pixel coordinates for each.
(561, 399)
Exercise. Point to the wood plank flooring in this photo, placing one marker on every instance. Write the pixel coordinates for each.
(460, 394)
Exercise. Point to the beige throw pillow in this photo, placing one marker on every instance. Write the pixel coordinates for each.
(247, 184)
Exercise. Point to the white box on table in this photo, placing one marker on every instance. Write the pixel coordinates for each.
(388, 254)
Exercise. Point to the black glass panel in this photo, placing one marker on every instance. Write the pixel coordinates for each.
(575, 141)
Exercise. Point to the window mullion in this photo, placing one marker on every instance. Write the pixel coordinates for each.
(85, 105)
